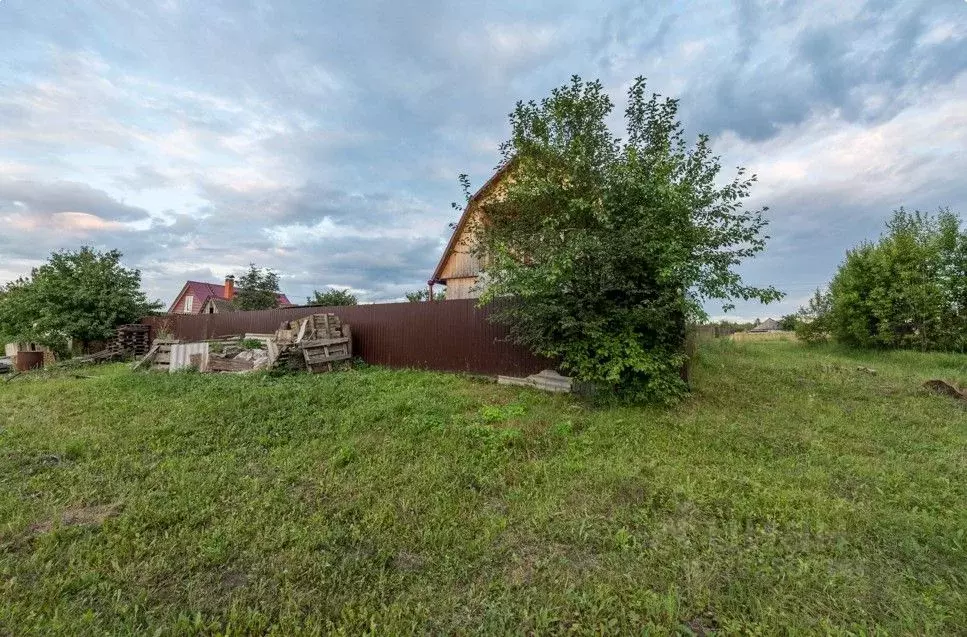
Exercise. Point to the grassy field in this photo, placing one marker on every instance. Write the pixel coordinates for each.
(760, 337)
(793, 493)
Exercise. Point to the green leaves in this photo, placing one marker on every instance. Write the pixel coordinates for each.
(81, 294)
(609, 248)
(418, 296)
(258, 289)
(909, 289)
(333, 297)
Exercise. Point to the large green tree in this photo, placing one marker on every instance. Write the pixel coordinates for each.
(333, 297)
(605, 249)
(81, 295)
(257, 289)
(908, 289)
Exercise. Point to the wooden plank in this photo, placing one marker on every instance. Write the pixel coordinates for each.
(149, 358)
(273, 349)
(305, 357)
(325, 342)
(329, 357)
(228, 365)
(342, 347)
(302, 331)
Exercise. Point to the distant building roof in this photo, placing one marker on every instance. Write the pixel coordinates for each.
(203, 291)
(768, 325)
(220, 305)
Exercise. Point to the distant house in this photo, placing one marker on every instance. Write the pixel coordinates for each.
(768, 325)
(459, 268)
(198, 297)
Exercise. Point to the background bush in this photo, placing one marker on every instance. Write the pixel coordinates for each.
(907, 290)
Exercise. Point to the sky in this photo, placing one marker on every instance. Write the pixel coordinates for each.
(324, 139)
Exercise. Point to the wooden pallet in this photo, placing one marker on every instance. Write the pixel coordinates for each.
(325, 326)
(315, 343)
(162, 356)
(133, 340)
(320, 354)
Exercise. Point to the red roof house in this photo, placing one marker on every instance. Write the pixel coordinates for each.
(198, 297)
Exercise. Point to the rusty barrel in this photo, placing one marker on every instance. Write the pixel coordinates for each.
(27, 361)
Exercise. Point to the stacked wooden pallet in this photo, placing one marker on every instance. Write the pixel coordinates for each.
(129, 341)
(319, 343)
(133, 340)
(162, 358)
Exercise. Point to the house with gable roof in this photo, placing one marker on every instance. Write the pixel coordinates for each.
(199, 297)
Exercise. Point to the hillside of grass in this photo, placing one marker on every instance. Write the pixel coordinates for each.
(791, 493)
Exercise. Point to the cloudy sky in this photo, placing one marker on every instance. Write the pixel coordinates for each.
(324, 139)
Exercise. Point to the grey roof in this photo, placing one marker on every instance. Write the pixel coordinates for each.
(768, 325)
(221, 305)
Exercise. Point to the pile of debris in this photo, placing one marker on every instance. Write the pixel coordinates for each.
(249, 353)
(316, 343)
(230, 354)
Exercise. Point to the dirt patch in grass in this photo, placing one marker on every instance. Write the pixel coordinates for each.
(529, 561)
(79, 516)
(703, 625)
(407, 562)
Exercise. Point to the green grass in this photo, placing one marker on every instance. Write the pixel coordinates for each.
(792, 493)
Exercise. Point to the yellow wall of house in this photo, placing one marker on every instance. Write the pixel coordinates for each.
(462, 262)
(462, 288)
(463, 267)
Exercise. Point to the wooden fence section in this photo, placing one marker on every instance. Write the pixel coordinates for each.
(445, 335)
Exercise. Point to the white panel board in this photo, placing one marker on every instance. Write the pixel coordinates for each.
(181, 354)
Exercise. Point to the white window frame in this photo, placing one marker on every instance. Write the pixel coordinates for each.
(189, 303)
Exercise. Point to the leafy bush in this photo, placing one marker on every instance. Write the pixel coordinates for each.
(607, 249)
(907, 290)
(418, 296)
(812, 323)
(333, 297)
(788, 322)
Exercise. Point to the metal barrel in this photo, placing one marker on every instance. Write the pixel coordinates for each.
(27, 361)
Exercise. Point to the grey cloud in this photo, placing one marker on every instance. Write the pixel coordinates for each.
(878, 52)
(64, 196)
(386, 268)
(748, 28)
(632, 24)
(311, 203)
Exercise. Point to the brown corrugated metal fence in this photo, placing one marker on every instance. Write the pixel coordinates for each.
(446, 335)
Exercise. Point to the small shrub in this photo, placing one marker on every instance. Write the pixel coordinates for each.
(563, 428)
(343, 457)
(492, 414)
